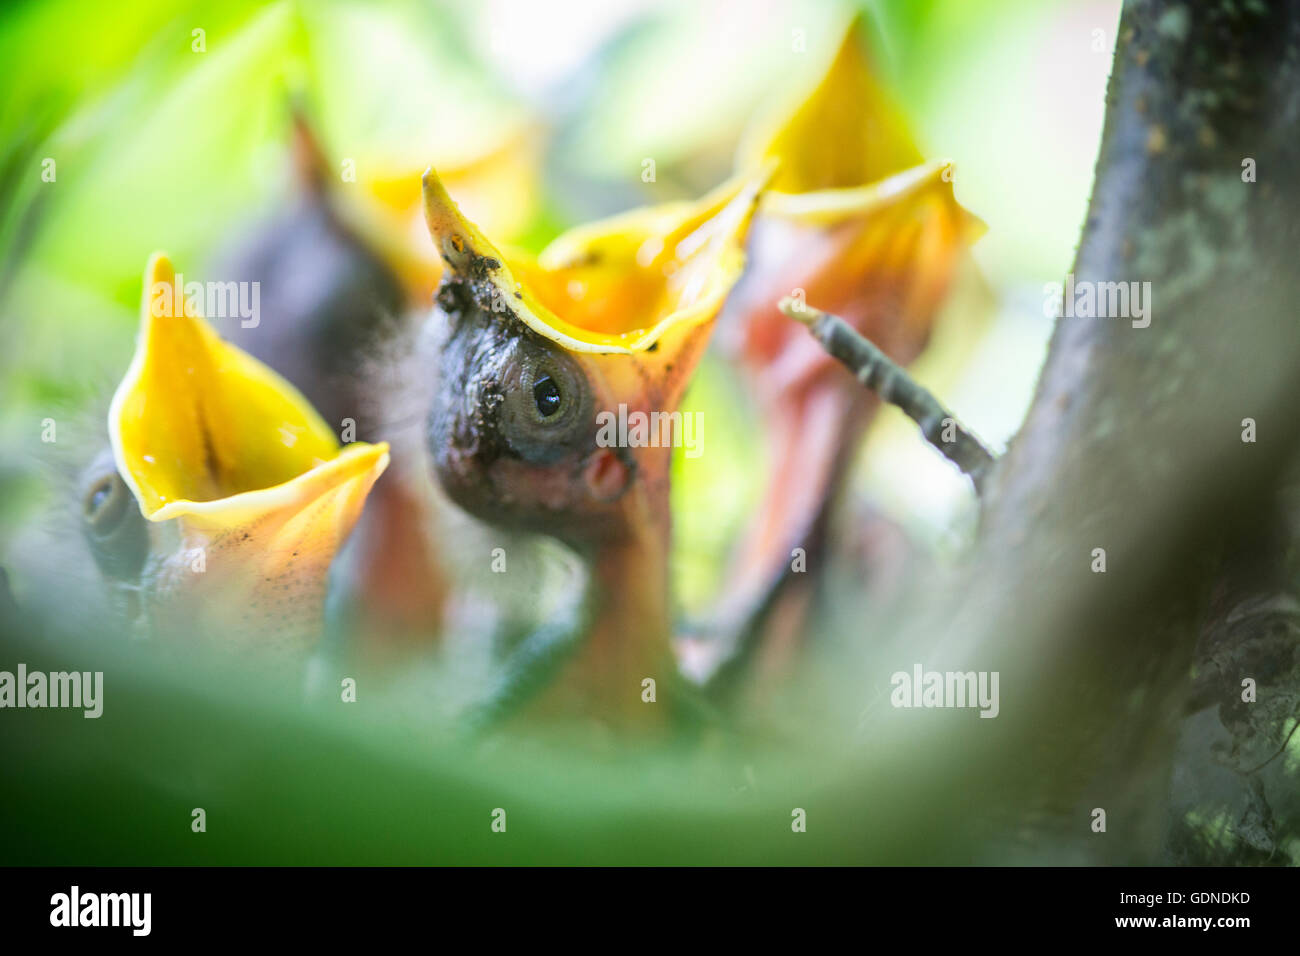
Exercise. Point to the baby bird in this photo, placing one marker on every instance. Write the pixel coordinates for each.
(344, 280)
(855, 223)
(339, 308)
(539, 357)
(225, 496)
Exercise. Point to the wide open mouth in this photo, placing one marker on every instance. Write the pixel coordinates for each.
(200, 427)
(614, 286)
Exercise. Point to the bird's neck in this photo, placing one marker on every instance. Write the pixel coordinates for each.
(627, 642)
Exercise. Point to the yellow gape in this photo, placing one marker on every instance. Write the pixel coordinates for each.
(620, 285)
(208, 437)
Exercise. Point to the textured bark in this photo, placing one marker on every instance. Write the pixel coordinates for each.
(1134, 439)
(1235, 796)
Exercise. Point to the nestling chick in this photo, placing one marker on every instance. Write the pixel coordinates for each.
(226, 496)
(612, 314)
(856, 224)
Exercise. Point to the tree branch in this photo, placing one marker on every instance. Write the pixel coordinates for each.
(878, 372)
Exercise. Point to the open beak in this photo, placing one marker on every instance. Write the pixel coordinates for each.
(867, 230)
(632, 298)
(631, 301)
(252, 488)
(857, 224)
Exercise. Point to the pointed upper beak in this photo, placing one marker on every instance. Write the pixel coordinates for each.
(867, 229)
(844, 132)
(635, 295)
(255, 485)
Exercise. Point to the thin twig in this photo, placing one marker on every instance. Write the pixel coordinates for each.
(887, 379)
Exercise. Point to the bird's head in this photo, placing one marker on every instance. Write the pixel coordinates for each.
(225, 496)
(544, 357)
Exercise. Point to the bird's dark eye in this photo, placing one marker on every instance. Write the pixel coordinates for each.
(547, 403)
(546, 393)
(111, 522)
(100, 494)
(105, 503)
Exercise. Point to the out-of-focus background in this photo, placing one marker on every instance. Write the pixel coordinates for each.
(167, 124)
(129, 128)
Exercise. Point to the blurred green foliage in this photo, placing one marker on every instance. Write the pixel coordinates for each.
(160, 146)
